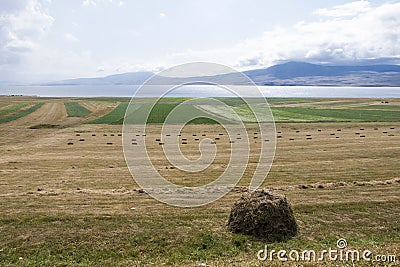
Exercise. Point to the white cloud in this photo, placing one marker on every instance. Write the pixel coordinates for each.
(96, 2)
(89, 3)
(348, 9)
(162, 15)
(22, 25)
(69, 37)
(350, 33)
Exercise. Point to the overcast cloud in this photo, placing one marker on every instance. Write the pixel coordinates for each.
(47, 40)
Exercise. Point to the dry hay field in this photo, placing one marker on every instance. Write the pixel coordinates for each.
(67, 197)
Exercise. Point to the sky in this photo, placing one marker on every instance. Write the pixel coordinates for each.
(48, 40)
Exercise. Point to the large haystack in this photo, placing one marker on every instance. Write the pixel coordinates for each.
(264, 215)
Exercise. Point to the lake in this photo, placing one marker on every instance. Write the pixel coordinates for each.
(202, 91)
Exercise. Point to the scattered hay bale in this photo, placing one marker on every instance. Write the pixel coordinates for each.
(161, 143)
(70, 143)
(385, 132)
(308, 135)
(217, 138)
(81, 140)
(263, 215)
(297, 131)
(184, 143)
(332, 134)
(362, 136)
(203, 135)
(194, 135)
(111, 134)
(319, 130)
(158, 139)
(93, 134)
(266, 140)
(109, 143)
(231, 142)
(339, 130)
(220, 134)
(238, 138)
(78, 135)
(362, 129)
(104, 134)
(44, 126)
(357, 133)
(291, 139)
(167, 135)
(255, 137)
(337, 137)
(134, 143)
(196, 139)
(119, 134)
(213, 142)
(309, 138)
(392, 128)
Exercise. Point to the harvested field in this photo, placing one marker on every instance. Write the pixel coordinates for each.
(71, 202)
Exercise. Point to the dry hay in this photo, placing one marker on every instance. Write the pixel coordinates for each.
(263, 215)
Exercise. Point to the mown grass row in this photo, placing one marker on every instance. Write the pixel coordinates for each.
(21, 114)
(12, 109)
(74, 109)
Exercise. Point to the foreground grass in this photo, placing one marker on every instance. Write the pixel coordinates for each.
(21, 113)
(74, 109)
(167, 235)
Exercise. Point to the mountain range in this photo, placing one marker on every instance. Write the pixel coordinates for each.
(290, 73)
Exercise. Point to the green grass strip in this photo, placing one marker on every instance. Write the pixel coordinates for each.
(350, 115)
(114, 117)
(13, 108)
(21, 114)
(74, 109)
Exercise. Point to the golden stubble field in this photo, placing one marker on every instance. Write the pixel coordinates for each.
(71, 204)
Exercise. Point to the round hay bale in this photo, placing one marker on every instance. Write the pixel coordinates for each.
(263, 215)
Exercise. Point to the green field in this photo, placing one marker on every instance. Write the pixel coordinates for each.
(116, 116)
(74, 109)
(349, 115)
(158, 114)
(12, 109)
(283, 110)
(21, 113)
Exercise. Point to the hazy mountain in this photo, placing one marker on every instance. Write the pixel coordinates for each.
(129, 78)
(290, 73)
(301, 73)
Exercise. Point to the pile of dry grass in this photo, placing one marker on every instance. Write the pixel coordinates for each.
(264, 215)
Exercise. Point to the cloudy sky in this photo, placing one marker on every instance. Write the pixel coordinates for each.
(45, 40)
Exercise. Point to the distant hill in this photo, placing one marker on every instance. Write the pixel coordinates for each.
(301, 73)
(290, 73)
(129, 78)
